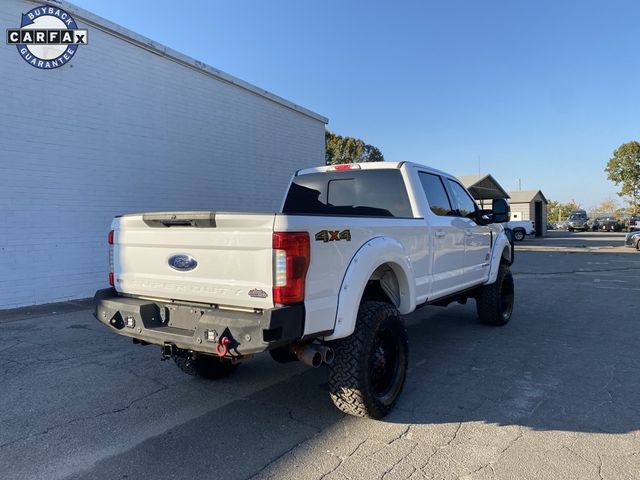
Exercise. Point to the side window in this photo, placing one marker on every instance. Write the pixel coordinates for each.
(436, 194)
(466, 205)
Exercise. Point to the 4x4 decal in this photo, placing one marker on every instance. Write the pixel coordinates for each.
(333, 235)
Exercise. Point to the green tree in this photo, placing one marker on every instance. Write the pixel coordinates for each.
(608, 207)
(624, 169)
(573, 205)
(339, 149)
(557, 211)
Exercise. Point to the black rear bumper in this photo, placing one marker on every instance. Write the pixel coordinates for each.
(199, 328)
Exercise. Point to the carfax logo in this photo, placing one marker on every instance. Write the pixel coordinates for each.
(48, 37)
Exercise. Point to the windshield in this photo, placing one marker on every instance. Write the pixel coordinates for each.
(577, 216)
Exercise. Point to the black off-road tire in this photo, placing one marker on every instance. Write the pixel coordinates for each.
(205, 366)
(494, 302)
(519, 234)
(370, 366)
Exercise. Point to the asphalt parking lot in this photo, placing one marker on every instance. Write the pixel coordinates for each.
(553, 395)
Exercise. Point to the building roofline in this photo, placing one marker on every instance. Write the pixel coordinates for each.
(533, 194)
(472, 181)
(152, 46)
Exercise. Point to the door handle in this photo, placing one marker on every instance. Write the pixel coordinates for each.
(440, 233)
(468, 233)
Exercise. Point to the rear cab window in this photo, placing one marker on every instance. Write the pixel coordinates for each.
(359, 193)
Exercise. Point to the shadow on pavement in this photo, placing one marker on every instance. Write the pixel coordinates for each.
(560, 238)
(568, 362)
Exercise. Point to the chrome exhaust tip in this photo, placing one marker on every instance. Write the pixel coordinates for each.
(308, 354)
(328, 354)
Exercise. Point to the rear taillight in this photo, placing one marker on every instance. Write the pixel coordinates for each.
(291, 257)
(111, 276)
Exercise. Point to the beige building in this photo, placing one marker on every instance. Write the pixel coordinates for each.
(483, 188)
(530, 205)
(525, 205)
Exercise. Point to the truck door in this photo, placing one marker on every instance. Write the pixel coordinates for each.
(447, 240)
(477, 237)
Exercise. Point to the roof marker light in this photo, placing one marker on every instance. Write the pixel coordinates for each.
(345, 166)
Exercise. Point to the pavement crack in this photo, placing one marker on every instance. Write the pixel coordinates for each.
(440, 447)
(131, 403)
(500, 455)
(343, 458)
(570, 450)
(144, 377)
(396, 463)
(10, 347)
(455, 435)
(511, 443)
(600, 467)
(83, 418)
(402, 434)
(315, 428)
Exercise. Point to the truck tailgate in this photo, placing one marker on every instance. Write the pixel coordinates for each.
(233, 252)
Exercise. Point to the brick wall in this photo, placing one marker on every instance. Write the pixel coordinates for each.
(124, 129)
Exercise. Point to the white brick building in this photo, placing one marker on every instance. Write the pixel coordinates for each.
(127, 125)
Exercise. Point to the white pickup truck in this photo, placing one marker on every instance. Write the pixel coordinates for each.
(324, 281)
(520, 228)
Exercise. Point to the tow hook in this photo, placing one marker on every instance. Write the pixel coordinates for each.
(222, 347)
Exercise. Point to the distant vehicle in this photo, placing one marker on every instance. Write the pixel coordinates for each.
(634, 223)
(551, 226)
(578, 221)
(610, 224)
(520, 228)
(594, 224)
(633, 240)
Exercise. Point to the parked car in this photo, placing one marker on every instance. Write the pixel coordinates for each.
(520, 228)
(594, 224)
(578, 221)
(634, 223)
(551, 226)
(610, 224)
(326, 280)
(633, 240)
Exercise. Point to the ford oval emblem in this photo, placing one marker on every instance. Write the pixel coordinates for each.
(182, 263)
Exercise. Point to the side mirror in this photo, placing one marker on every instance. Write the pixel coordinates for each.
(500, 210)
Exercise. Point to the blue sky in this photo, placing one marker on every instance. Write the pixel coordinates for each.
(541, 91)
